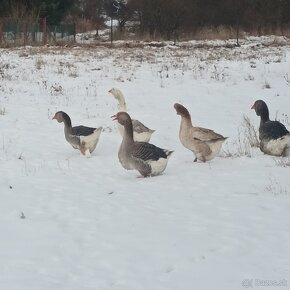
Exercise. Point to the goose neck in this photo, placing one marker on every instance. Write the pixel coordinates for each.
(264, 117)
(186, 122)
(121, 100)
(122, 106)
(128, 133)
(66, 120)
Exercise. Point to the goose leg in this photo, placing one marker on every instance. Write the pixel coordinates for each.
(200, 157)
(83, 149)
(88, 153)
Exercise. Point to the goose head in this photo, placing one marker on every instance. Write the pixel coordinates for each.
(59, 116)
(181, 110)
(260, 108)
(123, 118)
(117, 94)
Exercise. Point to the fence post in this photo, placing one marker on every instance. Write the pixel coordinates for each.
(25, 31)
(74, 28)
(1, 29)
(44, 30)
(111, 29)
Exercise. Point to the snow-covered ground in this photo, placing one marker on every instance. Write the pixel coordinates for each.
(73, 223)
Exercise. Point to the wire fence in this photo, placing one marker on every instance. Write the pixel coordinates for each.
(19, 32)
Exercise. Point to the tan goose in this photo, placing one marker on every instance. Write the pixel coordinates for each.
(148, 159)
(141, 133)
(82, 138)
(204, 143)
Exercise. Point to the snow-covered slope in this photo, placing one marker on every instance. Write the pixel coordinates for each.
(74, 223)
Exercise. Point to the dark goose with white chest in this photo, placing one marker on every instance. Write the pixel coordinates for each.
(82, 138)
(273, 135)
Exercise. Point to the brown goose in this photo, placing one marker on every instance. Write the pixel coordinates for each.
(148, 159)
(80, 137)
(204, 143)
(141, 133)
(273, 135)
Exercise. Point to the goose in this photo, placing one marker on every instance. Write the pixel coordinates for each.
(141, 133)
(273, 135)
(204, 143)
(144, 157)
(82, 138)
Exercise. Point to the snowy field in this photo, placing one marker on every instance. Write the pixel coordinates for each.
(73, 223)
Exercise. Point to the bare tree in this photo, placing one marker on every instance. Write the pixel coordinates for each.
(19, 11)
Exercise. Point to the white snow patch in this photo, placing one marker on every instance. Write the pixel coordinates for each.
(72, 223)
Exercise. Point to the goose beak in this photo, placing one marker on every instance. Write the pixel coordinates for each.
(110, 91)
(253, 107)
(53, 117)
(114, 117)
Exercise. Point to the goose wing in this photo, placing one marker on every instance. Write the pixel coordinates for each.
(204, 134)
(139, 127)
(272, 130)
(82, 130)
(146, 151)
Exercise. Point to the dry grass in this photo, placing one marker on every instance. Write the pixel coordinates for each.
(200, 33)
(247, 139)
(266, 85)
(39, 63)
(56, 89)
(67, 68)
(268, 30)
(250, 132)
(238, 148)
(73, 73)
(286, 31)
(221, 32)
(4, 71)
(2, 111)
(275, 187)
(282, 161)
(249, 77)
(284, 119)
(287, 79)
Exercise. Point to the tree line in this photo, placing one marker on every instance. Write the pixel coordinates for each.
(164, 18)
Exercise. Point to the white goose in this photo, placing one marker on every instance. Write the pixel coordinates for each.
(141, 133)
(204, 143)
